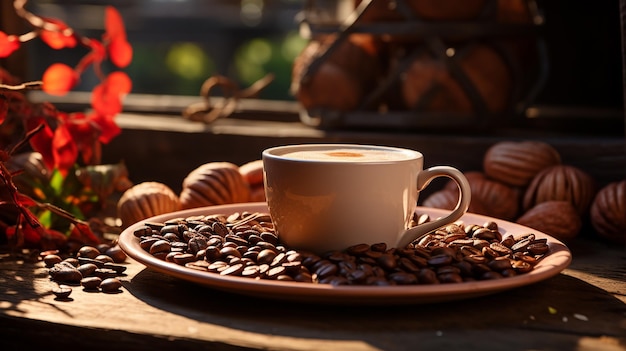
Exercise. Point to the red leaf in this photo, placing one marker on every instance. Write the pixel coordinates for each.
(83, 233)
(119, 82)
(64, 149)
(120, 52)
(42, 141)
(85, 134)
(4, 108)
(104, 101)
(24, 200)
(58, 79)
(108, 128)
(106, 97)
(113, 24)
(52, 239)
(61, 38)
(8, 44)
(32, 235)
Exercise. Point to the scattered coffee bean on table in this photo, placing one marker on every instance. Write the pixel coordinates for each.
(246, 245)
(93, 268)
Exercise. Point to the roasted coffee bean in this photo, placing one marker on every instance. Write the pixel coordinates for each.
(91, 283)
(183, 258)
(403, 278)
(275, 272)
(65, 273)
(229, 251)
(88, 252)
(243, 245)
(538, 248)
(105, 273)
(104, 259)
(87, 269)
(491, 225)
(304, 277)
(234, 269)
(73, 261)
(427, 276)
(198, 265)
(160, 246)
(142, 231)
(380, 247)
(440, 260)
(522, 266)
(266, 256)
(116, 253)
(520, 256)
(269, 237)
(448, 278)
(508, 241)
(387, 261)
(356, 276)
(448, 270)
(327, 269)
(62, 292)
(488, 252)
(171, 237)
(490, 275)
(217, 266)
(147, 242)
(522, 244)
(377, 281)
(357, 250)
(501, 249)
(51, 260)
(485, 234)
(499, 264)
(251, 271)
(408, 265)
(110, 285)
(220, 229)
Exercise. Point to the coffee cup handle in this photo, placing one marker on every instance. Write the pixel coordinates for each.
(424, 178)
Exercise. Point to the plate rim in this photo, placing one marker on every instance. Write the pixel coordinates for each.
(559, 259)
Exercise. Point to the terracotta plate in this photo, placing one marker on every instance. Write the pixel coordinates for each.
(552, 264)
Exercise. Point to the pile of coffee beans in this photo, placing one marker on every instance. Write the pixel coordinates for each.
(246, 245)
(93, 268)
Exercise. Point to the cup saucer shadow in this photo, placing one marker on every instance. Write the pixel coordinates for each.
(525, 307)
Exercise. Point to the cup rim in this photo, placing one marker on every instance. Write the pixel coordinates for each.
(277, 152)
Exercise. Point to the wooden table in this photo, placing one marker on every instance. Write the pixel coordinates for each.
(583, 308)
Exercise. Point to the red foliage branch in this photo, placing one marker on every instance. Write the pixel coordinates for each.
(60, 137)
(65, 135)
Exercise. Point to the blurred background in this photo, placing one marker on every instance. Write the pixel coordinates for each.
(179, 43)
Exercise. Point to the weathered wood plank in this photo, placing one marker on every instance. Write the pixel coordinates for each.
(583, 308)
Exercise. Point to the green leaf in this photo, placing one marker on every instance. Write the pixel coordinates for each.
(56, 182)
(45, 217)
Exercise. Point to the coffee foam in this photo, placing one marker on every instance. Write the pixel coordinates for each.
(347, 155)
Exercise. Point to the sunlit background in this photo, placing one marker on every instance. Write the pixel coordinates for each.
(178, 44)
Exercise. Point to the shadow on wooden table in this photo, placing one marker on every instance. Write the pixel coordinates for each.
(559, 313)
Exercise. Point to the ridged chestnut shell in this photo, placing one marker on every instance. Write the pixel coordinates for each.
(608, 212)
(252, 172)
(561, 183)
(343, 78)
(428, 83)
(447, 199)
(516, 163)
(499, 200)
(559, 219)
(214, 183)
(145, 200)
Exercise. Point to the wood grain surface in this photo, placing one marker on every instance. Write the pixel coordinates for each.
(583, 308)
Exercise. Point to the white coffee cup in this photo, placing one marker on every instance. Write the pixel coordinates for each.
(324, 197)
